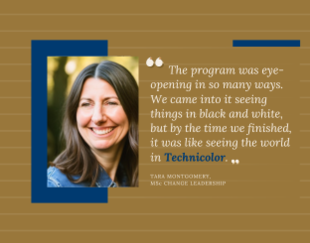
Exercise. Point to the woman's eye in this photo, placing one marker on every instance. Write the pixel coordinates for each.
(111, 103)
(85, 104)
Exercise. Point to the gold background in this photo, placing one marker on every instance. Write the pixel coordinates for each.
(266, 197)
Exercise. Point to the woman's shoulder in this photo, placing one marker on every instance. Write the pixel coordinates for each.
(56, 178)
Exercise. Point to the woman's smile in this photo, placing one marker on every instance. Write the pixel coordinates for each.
(102, 131)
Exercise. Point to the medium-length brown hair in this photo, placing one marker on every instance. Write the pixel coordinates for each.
(77, 158)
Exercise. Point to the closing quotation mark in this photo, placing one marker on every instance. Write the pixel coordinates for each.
(233, 161)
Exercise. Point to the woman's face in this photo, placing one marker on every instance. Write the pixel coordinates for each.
(100, 117)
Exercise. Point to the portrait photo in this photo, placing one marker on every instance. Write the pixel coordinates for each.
(92, 121)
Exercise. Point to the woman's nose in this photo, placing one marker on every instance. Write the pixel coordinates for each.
(99, 115)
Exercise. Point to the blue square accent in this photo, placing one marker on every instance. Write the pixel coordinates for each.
(40, 50)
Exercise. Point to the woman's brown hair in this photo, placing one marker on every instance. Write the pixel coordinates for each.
(77, 158)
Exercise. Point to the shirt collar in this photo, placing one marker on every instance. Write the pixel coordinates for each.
(104, 180)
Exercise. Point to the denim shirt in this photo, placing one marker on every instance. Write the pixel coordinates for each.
(55, 178)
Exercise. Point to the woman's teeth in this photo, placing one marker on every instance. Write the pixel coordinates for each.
(102, 131)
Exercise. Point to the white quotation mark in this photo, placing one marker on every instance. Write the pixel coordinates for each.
(150, 62)
(235, 161)
(159, 62)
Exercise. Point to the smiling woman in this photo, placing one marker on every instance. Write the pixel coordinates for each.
(101, 130)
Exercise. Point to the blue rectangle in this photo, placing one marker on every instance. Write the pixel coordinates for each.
(40, 50)
(266, 43)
